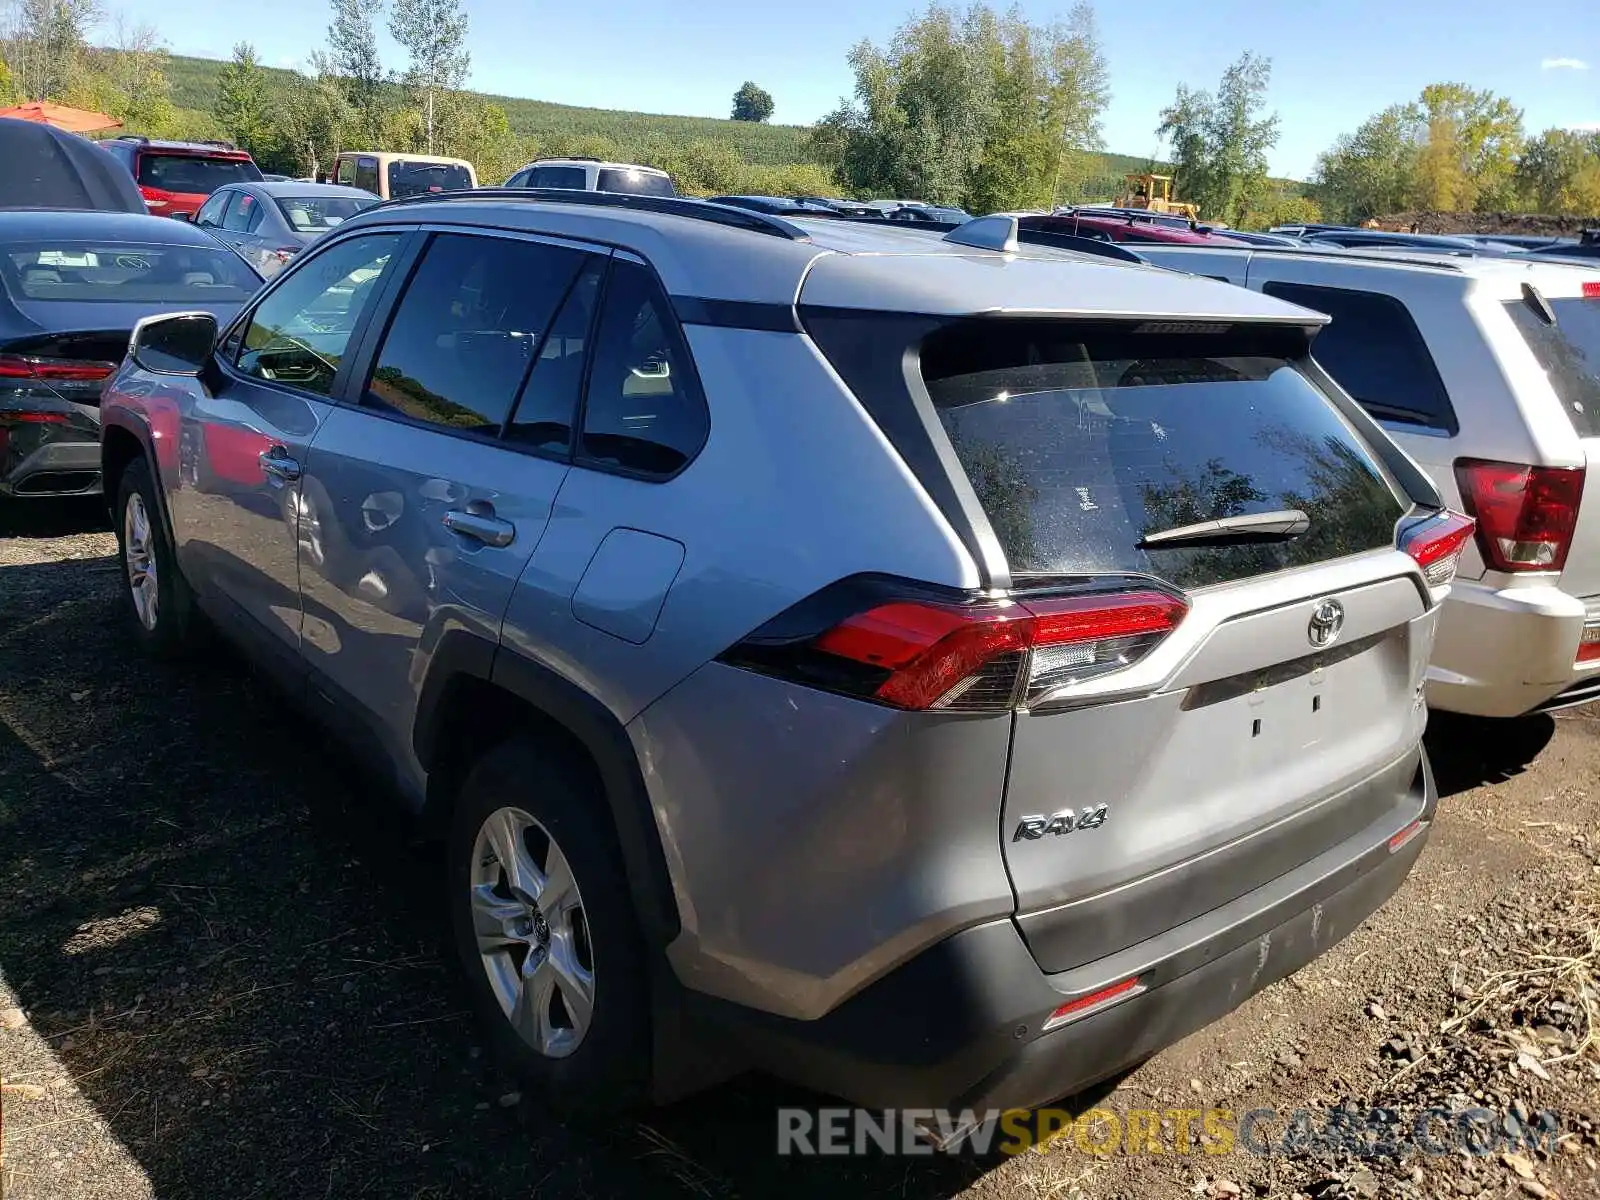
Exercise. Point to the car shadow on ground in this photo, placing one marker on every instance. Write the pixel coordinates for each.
(1469, 751)
(52, 518)
(234, 946)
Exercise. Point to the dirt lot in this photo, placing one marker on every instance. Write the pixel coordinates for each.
(221, 972)
(1532, 224)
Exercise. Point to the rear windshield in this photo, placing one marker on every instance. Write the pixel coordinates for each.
(1078, 445)
(313, 214)
(415, 178)
(125, 273)
(1569, 351)
(193, 174)
(635, 183)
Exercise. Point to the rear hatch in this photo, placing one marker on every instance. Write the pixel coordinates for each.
(180, 181)
(1159, 777)
(1196, 714)
(1557, 522)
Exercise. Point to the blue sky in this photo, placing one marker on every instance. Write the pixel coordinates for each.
(1333, 65)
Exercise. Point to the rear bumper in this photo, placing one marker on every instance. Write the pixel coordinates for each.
(55, 468)
(959, 1026)
(1502, 652)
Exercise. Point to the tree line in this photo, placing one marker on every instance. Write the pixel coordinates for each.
(972, 106)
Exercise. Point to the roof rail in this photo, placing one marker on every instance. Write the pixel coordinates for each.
(132, 137)
(674, 206)
(1359, 253)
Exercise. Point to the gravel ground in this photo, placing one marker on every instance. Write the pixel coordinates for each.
(222, 971)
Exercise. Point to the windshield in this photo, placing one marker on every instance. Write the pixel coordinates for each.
(1569, 351)
(1079, 445)
(125, 273)
(192, 174)
(635, 183)
(409, 177)
(313, 214)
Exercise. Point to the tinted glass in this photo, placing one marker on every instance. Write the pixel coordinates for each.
(317, 214)
(635, 183)
(1375, 352)
(575, 178)
(125, 273)
(192, 174)
(1078, 444)
(366, 176)
(1569, 351)
(244, 214)
(211, 211)
(643, 412)
(550, 397)
(346, 171)
(299, 333)
(409, 178)
(465, 332)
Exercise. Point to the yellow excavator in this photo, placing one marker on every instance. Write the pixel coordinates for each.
(1154, 192)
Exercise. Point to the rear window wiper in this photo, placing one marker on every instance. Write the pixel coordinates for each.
(1396, 412)
(1253, 527)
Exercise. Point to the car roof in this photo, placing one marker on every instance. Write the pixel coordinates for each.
(592, 162)
(729, 254)
(393, 156)
(1487, 266)
(197, 149)
(291, 187)
(22, 224)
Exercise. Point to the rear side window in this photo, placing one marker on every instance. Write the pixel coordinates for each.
(1375, 352)
(573, 178)
(1569, 351)
(244, 215)
(635, 183)
(643, 412)
(465, 332)
(543, 418)
(1081, 442)
(366, 176)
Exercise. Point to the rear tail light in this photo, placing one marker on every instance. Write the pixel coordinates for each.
(1525, 515)
(1591, 291)
(1589, 644)
(1436, 544)
(1083, 1006)
(925, 654)
(53, 370)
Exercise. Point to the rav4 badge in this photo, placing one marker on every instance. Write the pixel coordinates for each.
(1065, 821)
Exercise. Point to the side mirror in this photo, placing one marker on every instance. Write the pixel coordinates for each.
(180, 344)
(183, 216)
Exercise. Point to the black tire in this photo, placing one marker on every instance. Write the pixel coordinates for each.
(609, 1070)
(174, 630)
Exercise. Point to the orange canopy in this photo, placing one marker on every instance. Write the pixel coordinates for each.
(73, 120)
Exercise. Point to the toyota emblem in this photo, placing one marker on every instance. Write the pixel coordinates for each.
(1326, 621)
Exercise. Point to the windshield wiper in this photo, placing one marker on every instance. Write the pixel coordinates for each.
(1253, 527)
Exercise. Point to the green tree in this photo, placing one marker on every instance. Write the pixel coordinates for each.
(1471, 142)
(242, 102)
(128, 81)
(310, 116)
(8, 88)
(1220, 142)
(48, 46)
(1552, 168)
(1371, 171)
(434, 34)
(752, 103)
(352, 64)
(968, 107)
(1282, 208)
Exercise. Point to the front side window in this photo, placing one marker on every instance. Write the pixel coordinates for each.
(366, 176)
(210, 213)
(1082, 442)
(299, 334)
(1569, 352)
(1374, 350)
(81, 271)
(465, 333)
(345, 172)
(643, 412)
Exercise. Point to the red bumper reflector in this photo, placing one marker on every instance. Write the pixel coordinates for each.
(1405, 835)
(1591, 291)
(1074, 1010)
(1589, 644)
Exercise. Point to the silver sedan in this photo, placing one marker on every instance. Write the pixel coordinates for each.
(269, 223)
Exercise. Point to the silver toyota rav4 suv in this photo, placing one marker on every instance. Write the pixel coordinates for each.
(937, 670)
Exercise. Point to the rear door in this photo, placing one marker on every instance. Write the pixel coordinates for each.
(425, 495)
(1282, 715)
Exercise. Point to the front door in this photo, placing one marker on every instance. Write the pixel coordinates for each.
(431, 488)
(244, 439)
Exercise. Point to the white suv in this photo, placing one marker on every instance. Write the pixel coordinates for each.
(1486, 370)
(592, 175)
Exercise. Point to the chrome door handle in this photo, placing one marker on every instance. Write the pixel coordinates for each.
(480, 527)
(277, 463)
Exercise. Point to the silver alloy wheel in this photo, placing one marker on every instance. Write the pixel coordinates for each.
(138, 542)
(532, 935)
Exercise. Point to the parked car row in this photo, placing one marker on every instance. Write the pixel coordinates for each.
(1060, 630)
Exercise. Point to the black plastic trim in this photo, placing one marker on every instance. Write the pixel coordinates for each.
(736, 314)
(600, 733)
